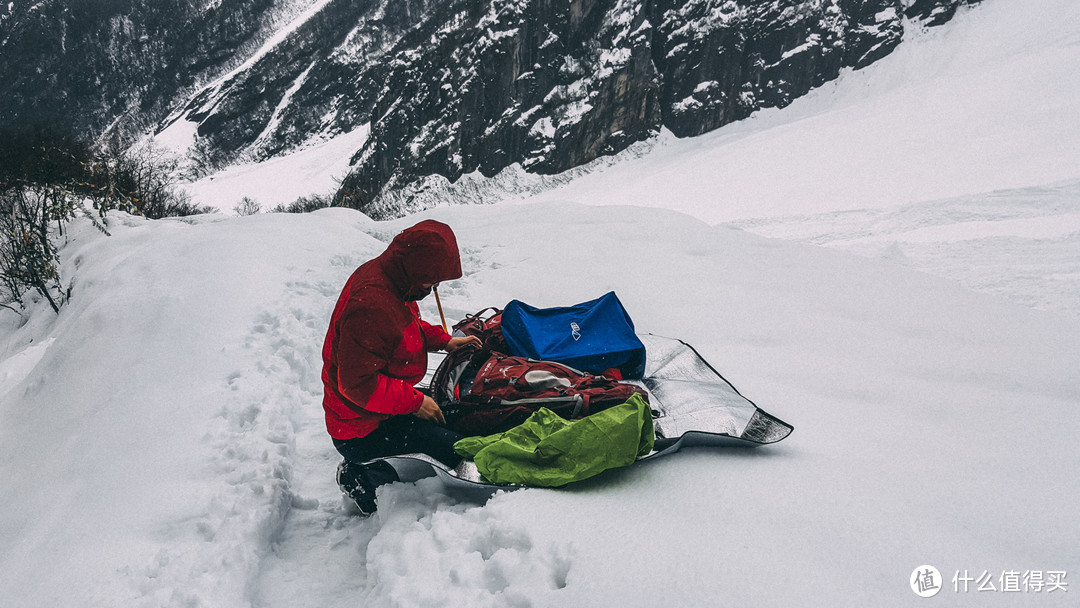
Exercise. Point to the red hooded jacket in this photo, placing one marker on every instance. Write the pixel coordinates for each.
(376, 347)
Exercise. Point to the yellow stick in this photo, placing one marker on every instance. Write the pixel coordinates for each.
(439, 304)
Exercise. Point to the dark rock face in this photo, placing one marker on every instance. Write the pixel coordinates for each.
(448, 87)
(86, 65)
(555, 84)
(549, 85)
(324, 77)
(934, 12)
(722, 67)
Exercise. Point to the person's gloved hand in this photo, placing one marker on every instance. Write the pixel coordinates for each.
(430, 411)
(456, 343)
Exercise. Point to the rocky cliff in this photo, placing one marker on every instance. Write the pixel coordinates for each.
(447, 87)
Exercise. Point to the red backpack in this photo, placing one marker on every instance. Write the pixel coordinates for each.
(488, 329)
(483, 392)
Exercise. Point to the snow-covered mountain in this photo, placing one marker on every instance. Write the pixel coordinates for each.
(162, 441)
(954, 155)
(442, 87)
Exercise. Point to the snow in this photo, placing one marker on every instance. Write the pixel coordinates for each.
(179, 136)
(1022, 244)
(316, 169)
(162, 439)
(275, 119)
(813, 40)
(886, 15)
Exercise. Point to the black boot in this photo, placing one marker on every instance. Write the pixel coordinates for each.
(358, 482)
(352, 481)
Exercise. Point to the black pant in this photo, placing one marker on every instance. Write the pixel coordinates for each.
(395, 436)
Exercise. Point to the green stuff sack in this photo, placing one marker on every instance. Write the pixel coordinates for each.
(549, 451)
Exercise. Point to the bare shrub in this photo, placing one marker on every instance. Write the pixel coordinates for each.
(247, 206)
(303, 204)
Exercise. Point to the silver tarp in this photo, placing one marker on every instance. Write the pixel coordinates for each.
(689, 395)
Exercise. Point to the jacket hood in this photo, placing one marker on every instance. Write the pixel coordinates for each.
(422, 254)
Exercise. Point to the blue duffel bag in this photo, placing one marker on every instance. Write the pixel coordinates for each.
(593, 336)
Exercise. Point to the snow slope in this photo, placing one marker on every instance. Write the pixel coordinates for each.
(162, 442)
(315, 170)
(983, 103)
(168, 447)
(1022, 244)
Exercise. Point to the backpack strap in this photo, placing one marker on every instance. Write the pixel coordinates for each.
(477, 315)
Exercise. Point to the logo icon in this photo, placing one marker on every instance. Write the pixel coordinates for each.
(575, 331)
(925, 581)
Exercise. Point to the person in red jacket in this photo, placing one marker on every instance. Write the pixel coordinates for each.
(376, 351)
